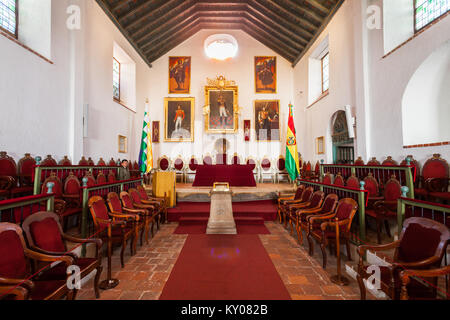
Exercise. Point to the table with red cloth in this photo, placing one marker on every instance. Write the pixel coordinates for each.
(235, 175)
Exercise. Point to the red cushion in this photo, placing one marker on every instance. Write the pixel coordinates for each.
(434, 169)
(179, 164)
(353, 182)
(12, 260)
(115, 203)
(281, 164)
(27, 166)
(344, 211)
(327, 179)
(265, 164)
(193, 165)
(164, 164)
(42, 289)
(127, 201)
(306, 195)
(392, 191)
(46, 235)
(328, 205)
(135, 197)
(315, 201)
(298, 194)
(7, 168)
(100, 210)
(101, 179)
(418, 243)
(72, 187)
(372, 187)
(339, 181)
(143, 194)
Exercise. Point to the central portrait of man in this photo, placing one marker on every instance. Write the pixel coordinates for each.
(221, 117)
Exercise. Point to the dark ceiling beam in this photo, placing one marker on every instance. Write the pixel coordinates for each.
(316, 4)
(280, 20)
(108, 12)
(267, 43)
(274, 7)
(295, 36)
(321, 29)
(301, 10)
(142, 7)
(119, 5)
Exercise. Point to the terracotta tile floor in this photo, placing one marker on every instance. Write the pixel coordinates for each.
(146, 273)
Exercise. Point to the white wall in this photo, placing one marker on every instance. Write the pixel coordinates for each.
(239, 69)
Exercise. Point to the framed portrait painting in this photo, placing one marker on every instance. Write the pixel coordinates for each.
(321, 145)
(267, 120)
(155, 131)
(222, 111)
(179, 75)
(266, 74)
(179, 119)
(122, 144)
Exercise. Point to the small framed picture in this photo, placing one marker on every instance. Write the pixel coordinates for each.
(155, 132)
(247, 130)
(122, 144)
(321, 145)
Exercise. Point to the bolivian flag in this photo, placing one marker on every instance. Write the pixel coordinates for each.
(292, 163)
(146, 153)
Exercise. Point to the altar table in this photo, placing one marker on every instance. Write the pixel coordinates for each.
(235, 175)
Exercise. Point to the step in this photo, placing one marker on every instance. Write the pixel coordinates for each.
(204, 220)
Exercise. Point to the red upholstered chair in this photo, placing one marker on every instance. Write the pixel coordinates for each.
(163, 163)
(133, 218)
(191, 167)
(374, 162)
(323, 228)
(49, 162)
(359, 162)
(296, 204)
(161, 203)
(389, 162)
(72, 191)
(83, 162)
(416, 167)
(65, 162)
(207, 160)
(45, 235)
(26, 167)
(434, 178)
(281, 169)
(112, 228)
(339, 180)
(89, 177)
(101, 162)
(8, 168)
(149, 214)
(111, 176)
(304, 173)
(16, 269)
(422, 245)
(283, 200)
(386, 209)
(153, 206)
(317, 171)
(90, 162)
(266, 169)
(328, 207)
(353, 182)
(371, 185)
(101, 179)
(112, 162)
(314, 204)
(236, 159)
(254, 164)
(179, 167)
(327, 178)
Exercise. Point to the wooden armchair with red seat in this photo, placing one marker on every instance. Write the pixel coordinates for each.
(161, 203)
(148, 213)
(353, 182)
(21, 184)
(289, 205)
(323, 228)
(152, 207)
(386, 209)
(112, 228)
(339, 180)
(17, 269)
(284, 199)
(435, 169)
(421, 246)
(45, 235)
(327, 208)
(407, 276)
(115, 207)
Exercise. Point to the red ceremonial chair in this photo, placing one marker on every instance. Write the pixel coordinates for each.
(16, 268)
(353, 182)
(112, 163)
(111, 176)
(283, 200)
(328, 207)
(26, 168)
(296, 204)
(90, 162)
(389, 162)
(65, 162)
(434, 179)
(45, 235)
(164, 163)
(49, 162)
(161, 203)
(281, 169)
(374, 162)
(416, 167)
(339, 180)
(207, 160)
(101, 179)
(266, 168)
(147, 212)
(112, 228)
(317, 171)
(101, 162)
(254, 165)
(323, 228)
(191, 168)
(236, 160)
(372, 187)
(153, 206)
(422, 245)
(359, 162)
(89, 177)
(83, 162)
(72, 197)
(386, 209)
(8, 168)
(327, 178)
(179, 167)
(314, 204)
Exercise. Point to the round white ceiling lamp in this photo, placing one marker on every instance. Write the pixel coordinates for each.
(221, 46)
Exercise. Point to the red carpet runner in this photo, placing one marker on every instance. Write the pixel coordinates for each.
(201, 229)
(224, 268)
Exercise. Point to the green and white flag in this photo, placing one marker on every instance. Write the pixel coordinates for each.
(146, 153)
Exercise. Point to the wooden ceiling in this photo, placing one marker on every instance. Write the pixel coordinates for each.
(154, 27)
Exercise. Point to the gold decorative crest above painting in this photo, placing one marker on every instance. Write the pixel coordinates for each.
(222, 109)
(266, 74)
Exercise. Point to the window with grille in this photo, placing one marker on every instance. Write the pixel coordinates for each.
(429, 10)
(116, 79)
(325, 73)
(8, 16)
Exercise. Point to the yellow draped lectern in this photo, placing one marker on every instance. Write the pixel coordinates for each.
(164, 182)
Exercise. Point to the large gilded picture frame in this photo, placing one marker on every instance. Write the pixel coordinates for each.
(267, 120)
(179, 119)
(222, 109)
